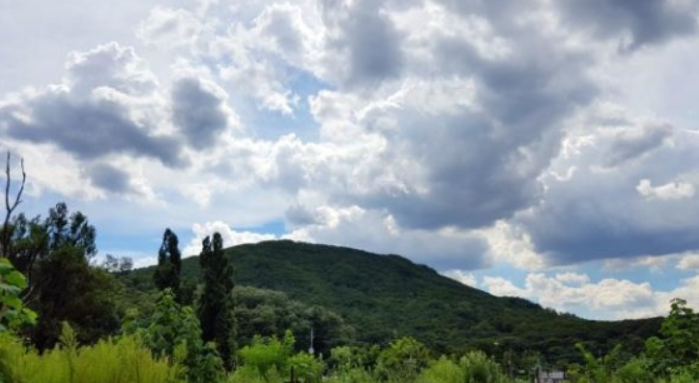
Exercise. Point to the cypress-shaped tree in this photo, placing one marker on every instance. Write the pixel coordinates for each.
(216, 303)
(167, 274)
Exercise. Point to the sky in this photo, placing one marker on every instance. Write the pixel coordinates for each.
(535, 148)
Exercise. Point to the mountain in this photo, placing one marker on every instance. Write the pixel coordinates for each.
(387, 296)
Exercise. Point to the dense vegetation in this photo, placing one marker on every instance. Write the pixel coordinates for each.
(381, 298)
(296, 312)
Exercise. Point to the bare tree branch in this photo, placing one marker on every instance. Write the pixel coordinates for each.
(10, 207)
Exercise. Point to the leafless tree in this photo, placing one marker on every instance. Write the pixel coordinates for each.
(10, 206)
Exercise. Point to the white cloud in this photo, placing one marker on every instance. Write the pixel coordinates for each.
(689, 262)
(462, 276)
(608, 298)
(673, 190)
(230, 236)
(502, 287)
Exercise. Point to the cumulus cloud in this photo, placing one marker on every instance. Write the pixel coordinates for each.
(634, 142)
(378, 232)
(200, 110)
(674, 190)
(172, 27)
(633, 23)
(363, 37)
(689, 262)
(230, 236)
(108, 177)
(572, 292)
(99, 110)
(600, 212)
(464, 277)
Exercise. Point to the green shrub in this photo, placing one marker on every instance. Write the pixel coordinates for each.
(250, 374)
(116, 361)
(265, 354)
(353, 375)
(636, 370)
(402, 360)
(478, 368)
(442, 370)
(306, 368)
(173, 333)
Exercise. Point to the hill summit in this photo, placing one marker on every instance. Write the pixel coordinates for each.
(387, 296)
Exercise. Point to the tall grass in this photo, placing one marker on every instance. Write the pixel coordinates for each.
(111, 361)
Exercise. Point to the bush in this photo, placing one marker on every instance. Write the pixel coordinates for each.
(443, 371)
(305, 368)
(116, 361)
(265, 354)
(636, 370)
(478, 368)
(402, 360)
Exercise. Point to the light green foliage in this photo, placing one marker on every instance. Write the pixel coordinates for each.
(678, 344)
(354, 375)
(12, 312)
(402, 360)
(306, 368)
(342, 358)
(115, 361)
(266, 354)
(173, 332)
(247, 374)
(443, 370)
(348, 365)
(593, 370)
(479, 368)
(636, 370)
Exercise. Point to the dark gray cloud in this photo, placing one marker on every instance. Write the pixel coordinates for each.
(94, 113)
(369, 38)
(603, 214)
(368, 230)
(482, 164)
(89, 130)
(647, 22)
(110, 178)
(634, 143)
(299, 215)
(198, 111)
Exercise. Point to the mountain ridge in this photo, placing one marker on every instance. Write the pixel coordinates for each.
(387, 296)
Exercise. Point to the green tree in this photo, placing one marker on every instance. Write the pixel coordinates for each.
(12, 312)
(266, 355)
(403, 359)
(479, 368)
(167, 273)
(55, 255)
(69, 289)
(216, 306)
(678, 343)
(173, 331)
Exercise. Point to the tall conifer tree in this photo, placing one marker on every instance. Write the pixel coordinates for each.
(216, 303)
(167, 274)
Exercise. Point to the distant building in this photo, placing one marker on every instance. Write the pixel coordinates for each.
(549, 376)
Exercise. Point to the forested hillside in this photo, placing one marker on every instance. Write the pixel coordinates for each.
(383, 297)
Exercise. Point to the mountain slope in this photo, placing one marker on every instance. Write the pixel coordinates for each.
(386, 296)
